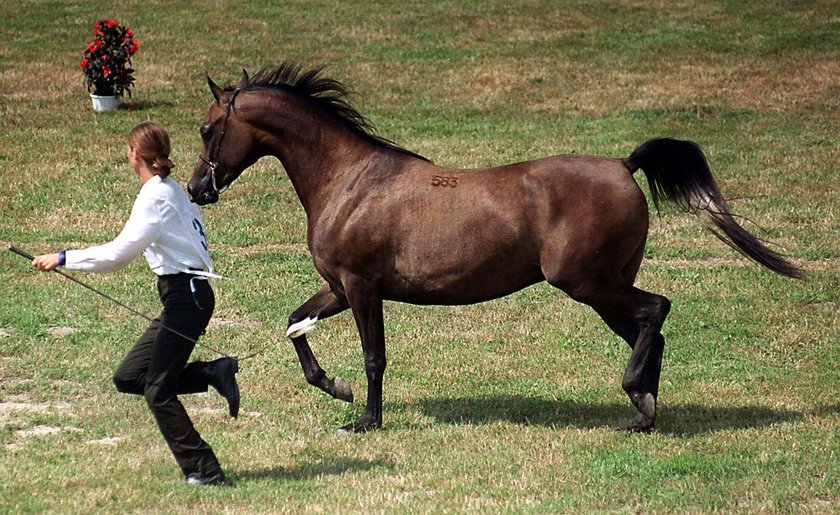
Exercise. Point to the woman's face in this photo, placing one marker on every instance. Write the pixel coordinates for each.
(133, 157)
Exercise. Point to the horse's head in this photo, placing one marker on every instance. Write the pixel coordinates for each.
(228, 146)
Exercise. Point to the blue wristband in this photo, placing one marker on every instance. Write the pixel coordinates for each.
(62, 258)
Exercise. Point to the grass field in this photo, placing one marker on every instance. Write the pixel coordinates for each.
(508, 406)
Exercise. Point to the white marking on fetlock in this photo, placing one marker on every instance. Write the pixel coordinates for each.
(302, 327)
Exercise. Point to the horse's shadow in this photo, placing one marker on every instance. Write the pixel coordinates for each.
(307, 470)
(676, 420)
(673, 419)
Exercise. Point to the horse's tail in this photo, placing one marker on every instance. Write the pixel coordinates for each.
(677, 170)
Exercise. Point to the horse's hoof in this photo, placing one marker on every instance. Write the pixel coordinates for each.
(645, 403)
(648, 406)
(640, 424)
(637, 428)
(343, 390)
(363, 425)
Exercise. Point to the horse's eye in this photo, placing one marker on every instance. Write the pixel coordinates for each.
(206, 132)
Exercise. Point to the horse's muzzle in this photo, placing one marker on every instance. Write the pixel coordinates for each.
(200, 192)
(208, 197)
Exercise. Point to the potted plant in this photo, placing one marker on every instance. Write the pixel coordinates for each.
(107, 64)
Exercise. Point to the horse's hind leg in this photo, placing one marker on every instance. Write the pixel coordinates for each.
(641, 377)
(322, 305)
(637, 316)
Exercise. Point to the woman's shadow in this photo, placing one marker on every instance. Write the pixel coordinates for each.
(673, 419)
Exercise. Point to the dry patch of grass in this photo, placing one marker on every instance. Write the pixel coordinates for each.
(771, 85)
(556, 85)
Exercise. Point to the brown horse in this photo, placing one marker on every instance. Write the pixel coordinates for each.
(384, 223)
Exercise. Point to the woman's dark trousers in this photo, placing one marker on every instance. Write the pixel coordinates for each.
(156, 367)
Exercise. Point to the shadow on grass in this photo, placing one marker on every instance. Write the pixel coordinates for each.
(826, 411)
(673, 419)
(333, 467)
(143, 105)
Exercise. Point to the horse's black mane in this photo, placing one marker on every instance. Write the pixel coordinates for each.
(325, 93)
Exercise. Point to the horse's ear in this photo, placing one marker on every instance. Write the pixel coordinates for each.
(214, 88)
(243, 83)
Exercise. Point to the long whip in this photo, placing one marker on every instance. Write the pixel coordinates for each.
(30, 257)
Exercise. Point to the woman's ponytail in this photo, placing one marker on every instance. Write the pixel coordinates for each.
(163, 166)
(151, 141)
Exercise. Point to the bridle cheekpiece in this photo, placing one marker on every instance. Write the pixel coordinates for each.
(212, 164)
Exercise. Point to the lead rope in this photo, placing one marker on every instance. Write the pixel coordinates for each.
(141, 315)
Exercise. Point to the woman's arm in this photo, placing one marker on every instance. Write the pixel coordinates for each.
(141, 229)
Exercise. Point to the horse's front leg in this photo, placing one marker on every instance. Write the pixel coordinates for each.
(366, 304)
(322, 305)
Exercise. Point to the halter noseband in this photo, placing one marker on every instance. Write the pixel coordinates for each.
(212, 164)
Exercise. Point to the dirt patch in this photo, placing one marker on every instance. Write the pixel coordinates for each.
(111, 440)
(17, 404)
(5, 332)
(38, 431)
(61, 331)
(210, 411)
(45, 430)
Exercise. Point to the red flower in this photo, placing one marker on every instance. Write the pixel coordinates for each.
(107, 59)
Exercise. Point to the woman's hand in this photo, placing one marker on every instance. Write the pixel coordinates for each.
(46, 262)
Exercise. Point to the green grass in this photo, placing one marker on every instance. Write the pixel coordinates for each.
(505, 406)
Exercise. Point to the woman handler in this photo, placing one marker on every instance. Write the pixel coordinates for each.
(169, 230)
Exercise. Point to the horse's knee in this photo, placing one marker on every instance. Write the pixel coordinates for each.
(375, 365)
(663, 306)
(651, 313)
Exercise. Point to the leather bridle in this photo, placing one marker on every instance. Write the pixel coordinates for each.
(211, 163)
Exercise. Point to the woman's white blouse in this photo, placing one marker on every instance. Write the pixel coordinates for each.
(164, 226)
